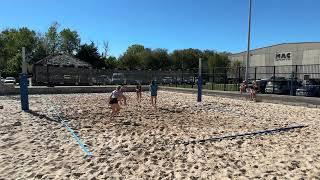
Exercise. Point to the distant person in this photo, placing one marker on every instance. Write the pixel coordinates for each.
(154, 91)
(253, 91)
(243, 87)
(122, 89)
(114, 98)
(139, 92)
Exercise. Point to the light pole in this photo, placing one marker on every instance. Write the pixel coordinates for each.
(248, 48)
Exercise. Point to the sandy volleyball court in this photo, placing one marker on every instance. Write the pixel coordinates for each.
(143, 143)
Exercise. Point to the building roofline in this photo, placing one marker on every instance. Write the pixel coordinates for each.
(275, 45)
(50, 57)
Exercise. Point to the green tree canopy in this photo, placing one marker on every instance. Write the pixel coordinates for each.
(133, 58)
(11, 42)
(90, 54)
(163, 59)
(40, 45)
(70, 41)
(111, 62)
(186, 58)
(52, 38)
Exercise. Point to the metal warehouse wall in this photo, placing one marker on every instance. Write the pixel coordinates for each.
(301, 54)
(305, 55)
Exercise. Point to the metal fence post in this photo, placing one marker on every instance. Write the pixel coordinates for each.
(176, 79)
(296, 70)
(47, 73)
(291, 84)
(212, 79)
(182, 76)
(225, 79)
(192, 82)
(274, 77)
(199, 99)
(239, 75)
(255, 73)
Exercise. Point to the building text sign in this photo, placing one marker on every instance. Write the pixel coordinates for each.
(285, 56)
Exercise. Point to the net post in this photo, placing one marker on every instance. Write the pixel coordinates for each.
(24, 83)
(199, 82)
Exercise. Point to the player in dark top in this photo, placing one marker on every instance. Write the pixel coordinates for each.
(154, 93)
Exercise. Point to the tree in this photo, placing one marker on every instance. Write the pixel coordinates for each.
(14, 65)
(11, 42)
(135, 49)
(106, 49)
(69, 41)
(218, 61)
(52, 37)
(40, 51)
(2, 54)
(235, 69)
(218, 66)
(130, 61)
(111, 62)
(186, 58)
(162, 57)
(133, 58)
(208, 66)
(150, 61)
(90, 54)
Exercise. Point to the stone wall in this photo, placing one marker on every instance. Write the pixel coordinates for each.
(8, 90)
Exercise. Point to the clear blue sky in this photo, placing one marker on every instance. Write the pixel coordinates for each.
(172, 24)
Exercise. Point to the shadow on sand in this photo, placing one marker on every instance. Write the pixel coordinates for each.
(43, 116)
(249, 134)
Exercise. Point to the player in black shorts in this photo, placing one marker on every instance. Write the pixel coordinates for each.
(114, 98)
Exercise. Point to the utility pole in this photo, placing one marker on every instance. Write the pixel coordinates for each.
(249, 38)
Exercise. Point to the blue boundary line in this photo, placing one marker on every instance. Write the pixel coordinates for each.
(75, 137)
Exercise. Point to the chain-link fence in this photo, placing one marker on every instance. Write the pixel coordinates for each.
(271, 79)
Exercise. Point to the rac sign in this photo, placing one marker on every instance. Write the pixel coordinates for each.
(283, 56)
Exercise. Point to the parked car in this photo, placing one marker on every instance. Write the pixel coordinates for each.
(132, 81)
(262, 83)
(118, 78)
(10, 80)
(295, 85)
(167, 80)
(203, 81)
(277, 87)
(190, 80)
(309, 88)
(282, 86)
(102, 80)
(179, 80)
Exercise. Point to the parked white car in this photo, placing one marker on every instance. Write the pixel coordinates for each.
(10, 80)
(2, 80)
(118, 78)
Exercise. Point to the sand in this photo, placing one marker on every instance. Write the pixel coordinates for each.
(145, 143)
